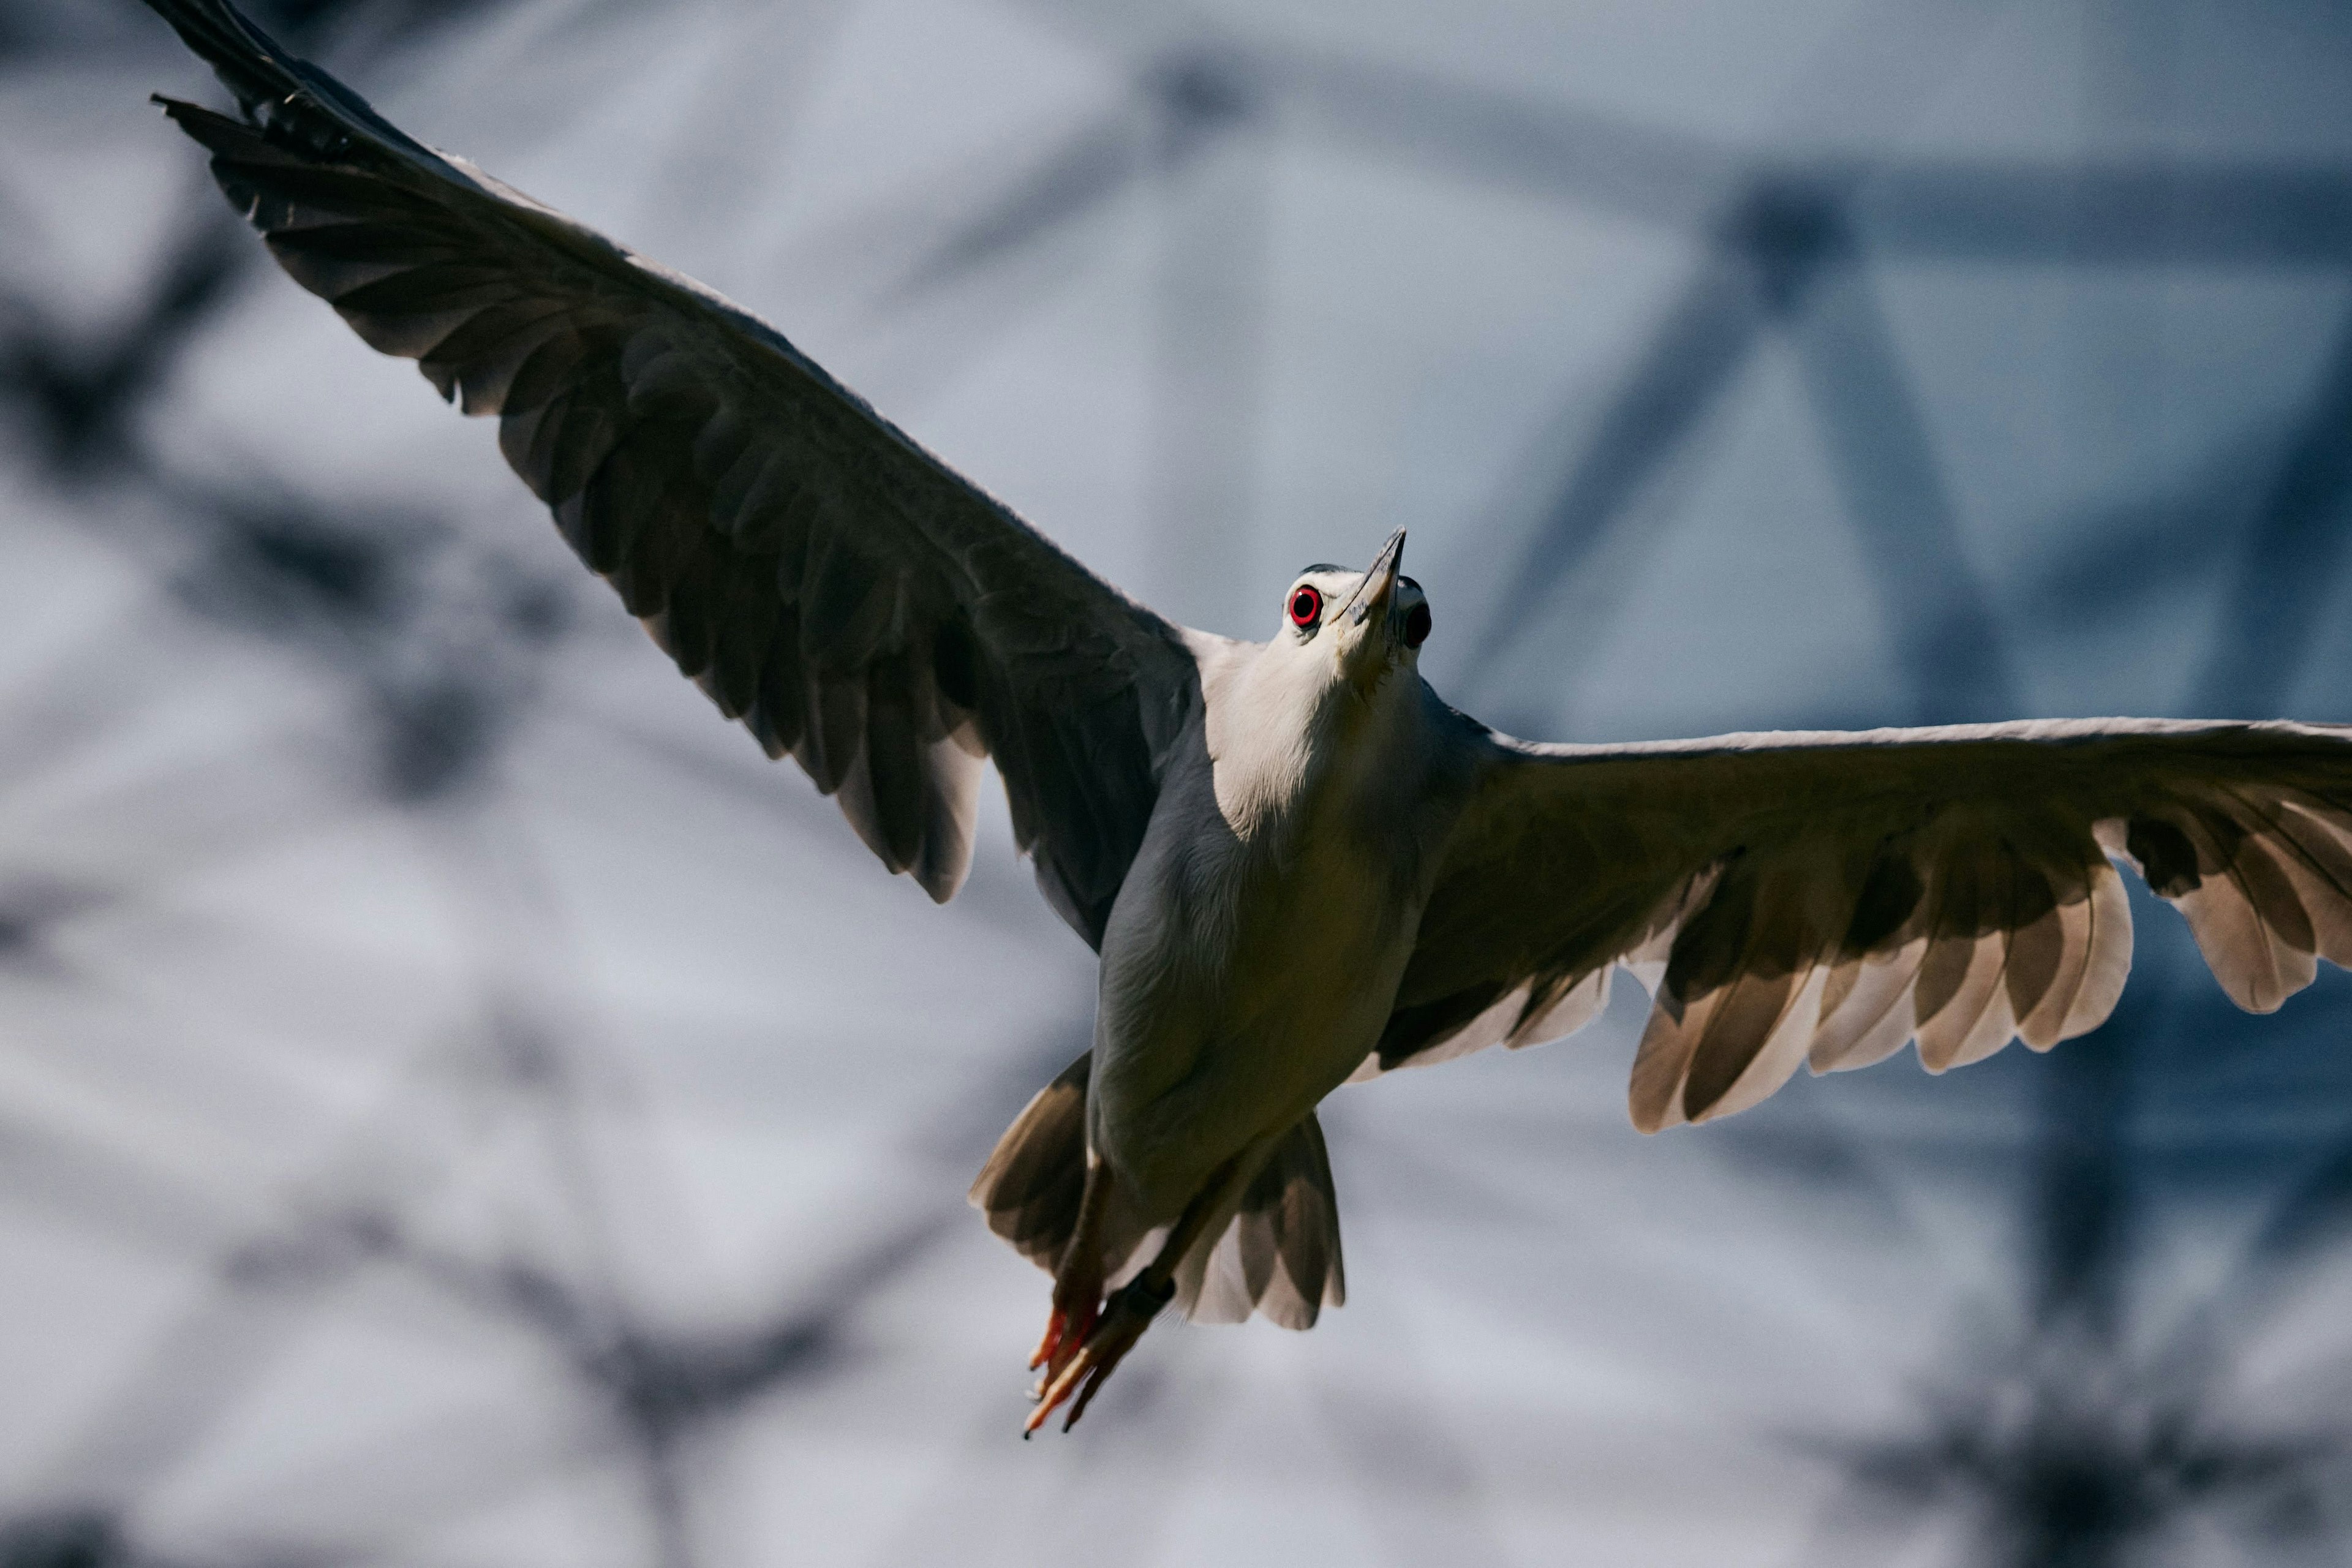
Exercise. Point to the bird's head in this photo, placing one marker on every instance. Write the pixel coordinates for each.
(1361, 625)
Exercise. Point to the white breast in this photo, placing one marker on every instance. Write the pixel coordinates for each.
(1250, 962)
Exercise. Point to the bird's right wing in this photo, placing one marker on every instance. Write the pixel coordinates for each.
(829, 583)
(1830, 897)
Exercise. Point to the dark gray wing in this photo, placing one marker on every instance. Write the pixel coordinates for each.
(1832, 897)
(826, 580)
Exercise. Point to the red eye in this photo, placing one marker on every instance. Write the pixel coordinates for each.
(1304, 605)
(1416, 626)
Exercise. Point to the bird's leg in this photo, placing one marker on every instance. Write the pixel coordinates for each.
(1129, 1311)
(1078, 1278)
(1124, 1318)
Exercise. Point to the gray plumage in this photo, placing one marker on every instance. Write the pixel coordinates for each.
(1831, 897)
(1298, 865)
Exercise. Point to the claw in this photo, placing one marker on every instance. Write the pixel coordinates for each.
(1065, 1331)
(1055, 1323)
(1095, 1352)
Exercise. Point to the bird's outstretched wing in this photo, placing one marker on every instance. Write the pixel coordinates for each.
(826, 580)
(1827, 898)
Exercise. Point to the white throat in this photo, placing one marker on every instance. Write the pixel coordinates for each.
(1282, 724)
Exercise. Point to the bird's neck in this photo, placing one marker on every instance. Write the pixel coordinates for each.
(1286, 739)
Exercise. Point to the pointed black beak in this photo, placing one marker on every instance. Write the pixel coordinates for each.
(1377, 592)
(1369, 636)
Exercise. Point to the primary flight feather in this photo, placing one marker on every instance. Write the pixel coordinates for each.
(1298, 865)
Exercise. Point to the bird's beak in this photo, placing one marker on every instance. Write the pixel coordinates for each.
(1369, 636)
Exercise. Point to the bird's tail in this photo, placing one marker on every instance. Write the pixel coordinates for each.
(1031, 1185)
(1279, 1257)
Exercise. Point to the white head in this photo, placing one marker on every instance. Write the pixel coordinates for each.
(1338, 670)
(1356, 626)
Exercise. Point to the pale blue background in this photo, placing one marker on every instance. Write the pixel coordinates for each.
(460, 1106)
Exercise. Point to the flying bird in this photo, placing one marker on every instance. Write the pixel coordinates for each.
(1299, 866)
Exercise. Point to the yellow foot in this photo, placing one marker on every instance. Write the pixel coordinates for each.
(1124, 1318)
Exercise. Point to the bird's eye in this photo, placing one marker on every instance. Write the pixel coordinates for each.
(1416, 626)
(1306, 604)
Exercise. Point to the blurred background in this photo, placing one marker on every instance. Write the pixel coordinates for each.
(460, 1106)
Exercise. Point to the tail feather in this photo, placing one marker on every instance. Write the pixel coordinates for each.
(1279, 1256)
(1029, 1188)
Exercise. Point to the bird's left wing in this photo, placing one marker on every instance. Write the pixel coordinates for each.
(1830, 897)
(830, 583)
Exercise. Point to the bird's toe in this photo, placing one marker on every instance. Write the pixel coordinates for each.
(1066, 1330)
(1096, 1351)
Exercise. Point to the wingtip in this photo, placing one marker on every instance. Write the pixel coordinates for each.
(181, 111)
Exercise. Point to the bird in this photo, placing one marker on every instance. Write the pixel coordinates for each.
(1299, 866)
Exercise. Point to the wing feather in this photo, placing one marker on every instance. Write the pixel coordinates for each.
(1870, 1018)
(838, 590)
(1842, 896)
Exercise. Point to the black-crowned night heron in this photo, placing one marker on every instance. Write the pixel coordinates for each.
(1299, 866)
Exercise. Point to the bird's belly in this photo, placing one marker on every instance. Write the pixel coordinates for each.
(1226, 1017)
